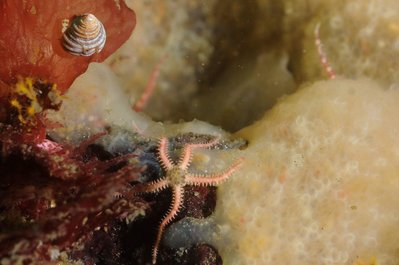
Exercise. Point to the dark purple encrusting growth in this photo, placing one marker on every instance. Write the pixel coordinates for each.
(58, 198)
(201, 254)
(201, 201)
(105, 247)
(204, 255)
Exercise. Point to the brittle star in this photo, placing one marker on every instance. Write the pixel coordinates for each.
(177, 177)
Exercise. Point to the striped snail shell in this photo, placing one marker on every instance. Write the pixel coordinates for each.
(85, 36)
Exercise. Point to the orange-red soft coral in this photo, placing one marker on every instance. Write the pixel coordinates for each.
(31, 33)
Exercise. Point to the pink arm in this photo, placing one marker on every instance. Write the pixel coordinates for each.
(186, 157)
(153, 186)
(213, 179)
(163, 154)
(177, 201)
(323, 57)
(149, 89)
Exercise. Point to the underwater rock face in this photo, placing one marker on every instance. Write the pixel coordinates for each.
(31, 33)
(320, 182)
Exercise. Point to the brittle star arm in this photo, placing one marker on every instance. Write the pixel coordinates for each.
(213, 179)
(164, 155)
(149, 89)
(177, 201)
(187, 154)
(323, 57)
(153, 186)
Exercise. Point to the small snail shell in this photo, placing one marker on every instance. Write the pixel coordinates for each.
(85, 36)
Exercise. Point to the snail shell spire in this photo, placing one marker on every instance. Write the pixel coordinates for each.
(85, 36)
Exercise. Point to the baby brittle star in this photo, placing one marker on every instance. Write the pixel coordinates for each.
(177, 177)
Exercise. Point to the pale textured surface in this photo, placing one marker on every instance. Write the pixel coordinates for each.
(206, 42)
(360, 37)
(320, 181)
(179, 31)
(245, 92)
(95, 101)
(243, 55)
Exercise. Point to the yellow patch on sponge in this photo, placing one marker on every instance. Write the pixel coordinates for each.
(28, 98)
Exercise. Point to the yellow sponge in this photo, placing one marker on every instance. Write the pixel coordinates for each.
(320, 183)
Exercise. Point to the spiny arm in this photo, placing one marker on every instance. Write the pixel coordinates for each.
(153, 186)
(163, 154)
(187, 153)
(149, 89)
(323, 57)
(213, 179)
(177, 202)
